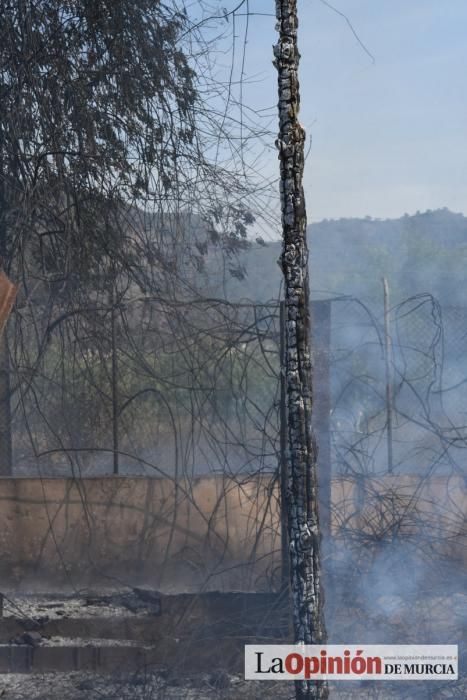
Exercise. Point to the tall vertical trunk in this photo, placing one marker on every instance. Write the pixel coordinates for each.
(284, 466)
(115, 397)
(387, 363)
(6, 465)
(302, 506)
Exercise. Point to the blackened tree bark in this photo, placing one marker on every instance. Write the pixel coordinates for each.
(302, 496)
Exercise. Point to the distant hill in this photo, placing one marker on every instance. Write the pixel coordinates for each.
(426, 252)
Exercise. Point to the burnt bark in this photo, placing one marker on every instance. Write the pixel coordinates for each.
(301, 455)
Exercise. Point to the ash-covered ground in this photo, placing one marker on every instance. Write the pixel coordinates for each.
(217, 686)
(422, 619)
(141, 686)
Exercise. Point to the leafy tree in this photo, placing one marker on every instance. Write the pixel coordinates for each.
(101, 119)
(97, 109)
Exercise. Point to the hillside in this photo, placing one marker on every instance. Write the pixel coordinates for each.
(426, 252)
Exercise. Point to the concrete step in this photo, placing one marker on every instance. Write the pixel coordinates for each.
(107, 656)
(61, 657)
(180, 632)
(142, 629)
(182, 616)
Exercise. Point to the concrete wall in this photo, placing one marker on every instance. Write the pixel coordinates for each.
(119, 530)
(210, 532)
(428, 511)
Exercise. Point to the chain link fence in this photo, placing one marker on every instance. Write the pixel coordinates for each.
(427, 374)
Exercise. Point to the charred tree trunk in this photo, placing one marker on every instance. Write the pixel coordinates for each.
(302, 505)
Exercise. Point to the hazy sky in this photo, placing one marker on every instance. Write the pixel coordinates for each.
(387, 137)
